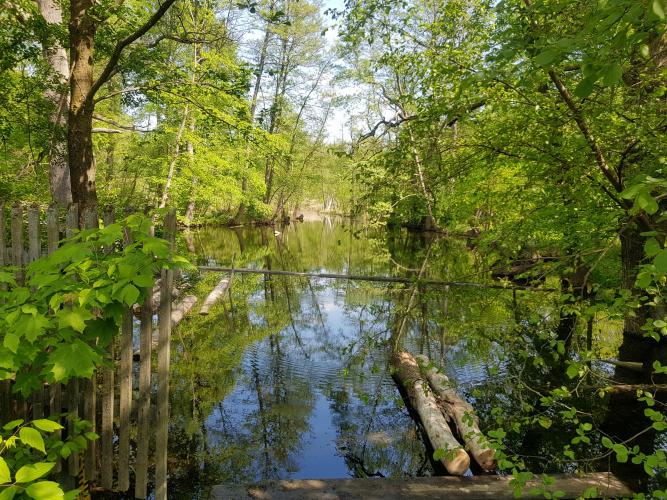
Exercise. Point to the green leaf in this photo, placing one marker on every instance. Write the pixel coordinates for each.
(8, 493)
(77, 359)
(13, 424)
(74, 318)
(660, 262)
(658, 10)
(646, 202)
(31, 326)
(546, 57)
(439, 454)
(47, 425)
(572, 370)
(612, 75)
(607, 443)
(11, 342)
(129, 294)
(45, 490)
(30, 472)
(651, 247)
(32, 438)
(585, 87)
(5, 475)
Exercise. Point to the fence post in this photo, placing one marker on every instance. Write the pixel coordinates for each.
(106, 436)
(34, 251)
(72, 224)
(17, 240)
(125, 383)
(90, 221)
(55, 389)
(17, 260)
(5, 385)
(163, 357)
(143, 434)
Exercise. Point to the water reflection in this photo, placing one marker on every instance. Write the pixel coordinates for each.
(289, 379)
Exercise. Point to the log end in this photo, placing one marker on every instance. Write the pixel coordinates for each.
(487, 460)
(457, 462)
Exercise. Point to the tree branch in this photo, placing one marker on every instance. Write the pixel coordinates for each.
(120, 46)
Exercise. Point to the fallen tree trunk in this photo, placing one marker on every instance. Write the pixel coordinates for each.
(155, 298)
(179, 311)
(215, 295)
(461, 413)
(407, 373)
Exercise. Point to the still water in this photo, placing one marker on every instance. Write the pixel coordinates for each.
(288, 377)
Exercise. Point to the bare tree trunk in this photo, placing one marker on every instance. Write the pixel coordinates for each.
(80, 141)
(240, 213)
(56, 56)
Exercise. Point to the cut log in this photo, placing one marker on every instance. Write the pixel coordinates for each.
(461, 413)
(216, 294)
(155, 298)
(180, 310)
(407, 373)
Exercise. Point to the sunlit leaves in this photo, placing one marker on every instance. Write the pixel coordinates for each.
(76, 359)
(32, 438)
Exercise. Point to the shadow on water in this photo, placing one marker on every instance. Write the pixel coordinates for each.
(288, 377)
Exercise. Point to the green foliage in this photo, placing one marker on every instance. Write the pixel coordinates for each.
(57, 324)
(28, 453)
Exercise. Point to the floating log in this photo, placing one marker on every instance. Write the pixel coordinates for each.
(427, 488)
(215, 295)
(461, 413)
(179, 311)
(407, 372)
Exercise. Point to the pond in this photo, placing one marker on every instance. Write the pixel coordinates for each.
(288, 377)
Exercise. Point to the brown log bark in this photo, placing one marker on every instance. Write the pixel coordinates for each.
(79, 135)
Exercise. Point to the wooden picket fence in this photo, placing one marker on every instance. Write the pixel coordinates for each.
(118, 412)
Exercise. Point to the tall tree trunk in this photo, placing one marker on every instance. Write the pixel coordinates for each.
(56, 57)
(632, 253)
(79, 137)
(172, 163)
(240, 213)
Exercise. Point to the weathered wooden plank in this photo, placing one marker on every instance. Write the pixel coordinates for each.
(73, 410)
(143, 434)
(108, 372)
(125, 383)
(163, 357)
(55, 389)
(71, 226)
(17, 240)
(427, 488)
(34, 251)
(5, 385)
(90, 221)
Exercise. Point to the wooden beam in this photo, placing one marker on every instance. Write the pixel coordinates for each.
(380, 279)
(427, 488)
